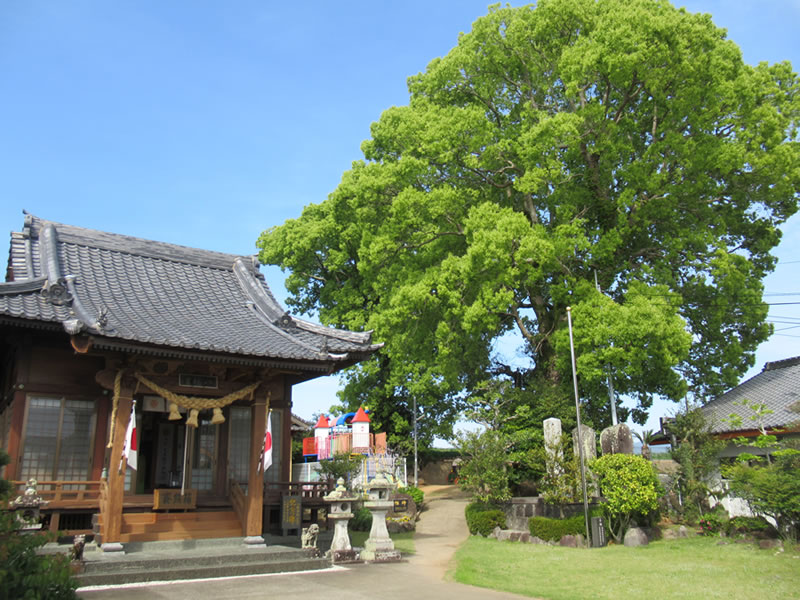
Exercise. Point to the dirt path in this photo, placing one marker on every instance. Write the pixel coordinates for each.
(440, 530)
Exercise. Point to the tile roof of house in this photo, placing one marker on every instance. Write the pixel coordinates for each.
(126, 290)
(777, 387)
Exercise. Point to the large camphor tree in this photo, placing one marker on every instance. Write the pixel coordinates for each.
(613, 156)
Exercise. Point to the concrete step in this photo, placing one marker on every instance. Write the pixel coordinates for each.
(192, 559)
(169, 573)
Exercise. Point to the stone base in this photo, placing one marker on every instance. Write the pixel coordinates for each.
(112, 547)
(254, 541)
(380, 555)
(344, 556)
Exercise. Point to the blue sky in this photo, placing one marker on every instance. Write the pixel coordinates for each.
(203, 123)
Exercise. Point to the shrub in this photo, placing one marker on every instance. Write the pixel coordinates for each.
(23, 572)
(551, 530)
(561, 483)
(339, 465)
(772, 489)
(417, 495)
(482, 518)
(757, 526)
(362, 520)
(630, 487)
(695, 450)
(484, 472)
(714, 522)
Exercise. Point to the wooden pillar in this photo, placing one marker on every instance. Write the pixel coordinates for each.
(255, 479)
(99, 453)
(286, 437)
(15, 435)
(112, 520)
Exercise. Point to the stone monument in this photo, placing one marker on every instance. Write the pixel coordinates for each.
(379, 547)
(616, 440)
(552, 445)
(340, 512)
(27, 509)
(589, 441)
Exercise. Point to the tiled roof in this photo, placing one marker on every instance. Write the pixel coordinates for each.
(777, 387)
(117, 289)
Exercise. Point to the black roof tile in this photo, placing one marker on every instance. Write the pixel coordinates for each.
(124, 288)
(777, 387)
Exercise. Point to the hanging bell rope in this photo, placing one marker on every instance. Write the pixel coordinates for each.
(194, 403)
(218, 417)
(114, 404)
(174, 413)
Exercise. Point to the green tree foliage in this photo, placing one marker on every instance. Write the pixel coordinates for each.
(696, 451)
(619, 139)
(484, 470)
(772, 490)
(24, 574)
(340, 465)
(560, 483)
(630, 487)
(769, 482)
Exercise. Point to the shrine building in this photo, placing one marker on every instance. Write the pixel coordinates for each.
(98, 328)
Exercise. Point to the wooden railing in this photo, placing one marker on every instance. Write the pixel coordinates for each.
(65, 494)
(310, 492)
(239, 501)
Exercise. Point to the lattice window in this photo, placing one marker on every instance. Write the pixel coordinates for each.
(239, 443)
(58, 439)
(205, 455)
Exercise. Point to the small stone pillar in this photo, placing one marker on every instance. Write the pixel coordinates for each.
(340, 512)
(552, 445)
(616, 440)
(589, 441)
(379, 547)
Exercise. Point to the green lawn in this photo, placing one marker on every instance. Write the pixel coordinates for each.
(687, 568)
(404, 542)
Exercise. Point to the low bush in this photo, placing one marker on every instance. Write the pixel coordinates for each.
(714, 522)
(362, 520)
(551, 530)
(751, 526)
(417, 495)
(483, 518)
(631, 489)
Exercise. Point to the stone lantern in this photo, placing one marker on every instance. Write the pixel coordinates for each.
(379, 546)
(28, 508)
(340, 512)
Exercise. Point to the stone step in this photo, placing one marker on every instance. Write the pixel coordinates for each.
(167, 572)
(192, 559)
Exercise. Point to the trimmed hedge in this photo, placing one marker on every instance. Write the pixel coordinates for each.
(417, 495)
(483, 518)
(551, 530)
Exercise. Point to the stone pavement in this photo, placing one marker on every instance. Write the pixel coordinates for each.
(424, 576)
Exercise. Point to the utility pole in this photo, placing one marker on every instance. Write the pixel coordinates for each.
(580, 429)
(416, 478)
(610, 374)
